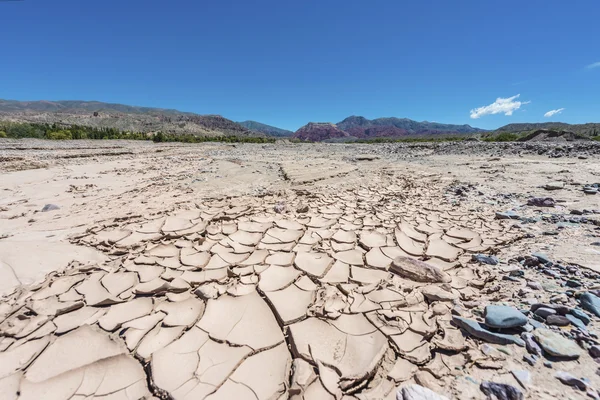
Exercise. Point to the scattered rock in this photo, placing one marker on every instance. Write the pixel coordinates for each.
(302, 209)
(530, 344)
(418, 392)
(500, 391)
(479, 331)
(570, 380)
(418, 271)
(590, 303)
(507, 215)
(543, 258)
(50, 207)
(483, 259)
(504, 317)
(541, 202)
(557, 320)
(554, 186)
(556, 345)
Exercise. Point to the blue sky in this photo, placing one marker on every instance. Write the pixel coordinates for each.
(287, 63)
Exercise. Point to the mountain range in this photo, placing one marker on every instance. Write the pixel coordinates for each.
(121, 117)
(147, 119)
(266, 129)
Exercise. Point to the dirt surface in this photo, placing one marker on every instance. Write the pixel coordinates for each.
(284, 270)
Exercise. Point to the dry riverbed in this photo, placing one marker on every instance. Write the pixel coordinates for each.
(308, 271)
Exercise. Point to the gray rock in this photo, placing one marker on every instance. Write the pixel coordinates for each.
(556, 345)
(543, 258)
(418, 271)
(554, 185)
(557, 320)
(500, 391)
(590, 303)
(504, 317)
(560, 309)
(530, 344)
(479, 331)
(522, 376)
(530, 359)
(541, 202)
(535, 285)
(575, 321)
(570, 380)
(544, 312)
(507, 215)
(595, 351)
(50, 207)
(535, 324)
(302, 209)
(483, 259)
(417, 392)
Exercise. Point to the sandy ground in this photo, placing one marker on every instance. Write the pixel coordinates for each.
(109, 185)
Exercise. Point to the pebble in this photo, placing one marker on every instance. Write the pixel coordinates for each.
(580, 315)
(541, 202)
(476, 329)
(543, 258)
(501, 391)
(544, 312)
(575, 321)
(530, 359)
(302, 209)
(557, 320)
(556, 345)
(590, 303)
(570, 380)
(548, 364)
(50, 207)
(554, 185)
(507, 215)
(530, 344)
(534, 285)
(504, 317)
(483, 259)
(595, 351)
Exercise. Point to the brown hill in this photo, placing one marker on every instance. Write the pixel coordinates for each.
(121, 117)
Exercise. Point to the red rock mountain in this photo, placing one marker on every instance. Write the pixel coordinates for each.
(361, 128)
(317, 132)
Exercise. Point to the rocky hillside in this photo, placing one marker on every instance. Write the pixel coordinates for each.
(356, 127)
(590, 129)
(266, 129)
(122, 117)
(391, 127)
(319, 131)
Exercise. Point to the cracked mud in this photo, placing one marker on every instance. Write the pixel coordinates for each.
(347, 288)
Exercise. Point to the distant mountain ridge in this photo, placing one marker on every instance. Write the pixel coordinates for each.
(266, 129)
(356, 127)
(589, 129)
(121, 117)
(129, 118)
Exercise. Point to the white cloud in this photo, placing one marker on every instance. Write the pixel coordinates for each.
(502, 105)
(594, 65)
(553, 112)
